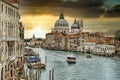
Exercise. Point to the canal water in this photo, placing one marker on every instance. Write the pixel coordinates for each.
(95, 68)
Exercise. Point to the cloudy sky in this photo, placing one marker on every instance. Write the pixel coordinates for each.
(39, 16)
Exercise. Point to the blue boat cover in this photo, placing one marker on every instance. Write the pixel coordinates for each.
(34, 59)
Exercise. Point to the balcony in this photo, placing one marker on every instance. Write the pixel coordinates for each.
(9, 38)
(19, 55)
(11, 58)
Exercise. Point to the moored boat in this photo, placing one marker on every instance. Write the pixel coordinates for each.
(35, 63)
(42, 65)
(88, 56)
(116, 58)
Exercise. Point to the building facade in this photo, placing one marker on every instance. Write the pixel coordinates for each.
(105, 49)
(55, 40)
(10, 40)
(89, 46)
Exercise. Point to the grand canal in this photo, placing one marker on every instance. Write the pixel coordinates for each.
(95, 68)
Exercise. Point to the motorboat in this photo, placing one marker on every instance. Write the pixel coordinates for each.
(71, 59)
(88, 56)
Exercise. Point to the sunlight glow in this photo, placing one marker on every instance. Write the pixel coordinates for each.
(38, 32)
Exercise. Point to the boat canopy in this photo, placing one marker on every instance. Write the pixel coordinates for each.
(71, 56)
(34, 59)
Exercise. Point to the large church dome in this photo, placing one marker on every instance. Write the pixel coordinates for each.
(61, 22)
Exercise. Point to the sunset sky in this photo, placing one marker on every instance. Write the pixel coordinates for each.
(39, 16)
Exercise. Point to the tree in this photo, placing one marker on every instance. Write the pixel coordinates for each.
(117, 35)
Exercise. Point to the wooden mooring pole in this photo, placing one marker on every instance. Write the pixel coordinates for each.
(51, 74)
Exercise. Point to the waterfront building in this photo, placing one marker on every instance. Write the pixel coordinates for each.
(109, 40)
(59, 41)
(90, 40)
(98, 44)
(117, 47)
(96, 36)
(81, 41)
(104, 49)
(76, 39)
(89, 46)
(32, 41)
(72, 42)
(84, 36)
(11, 40)
(55, 40)
(61, 25)
(118, 51)
(50, 40)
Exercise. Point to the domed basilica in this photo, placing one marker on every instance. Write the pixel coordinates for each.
(61, 25)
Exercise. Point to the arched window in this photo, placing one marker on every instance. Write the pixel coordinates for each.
(5, 67)
(17, 64)
(11, 73)
(64, 32)
(73, 30)
(14, 65)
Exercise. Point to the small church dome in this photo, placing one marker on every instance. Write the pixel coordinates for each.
(75, 26)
